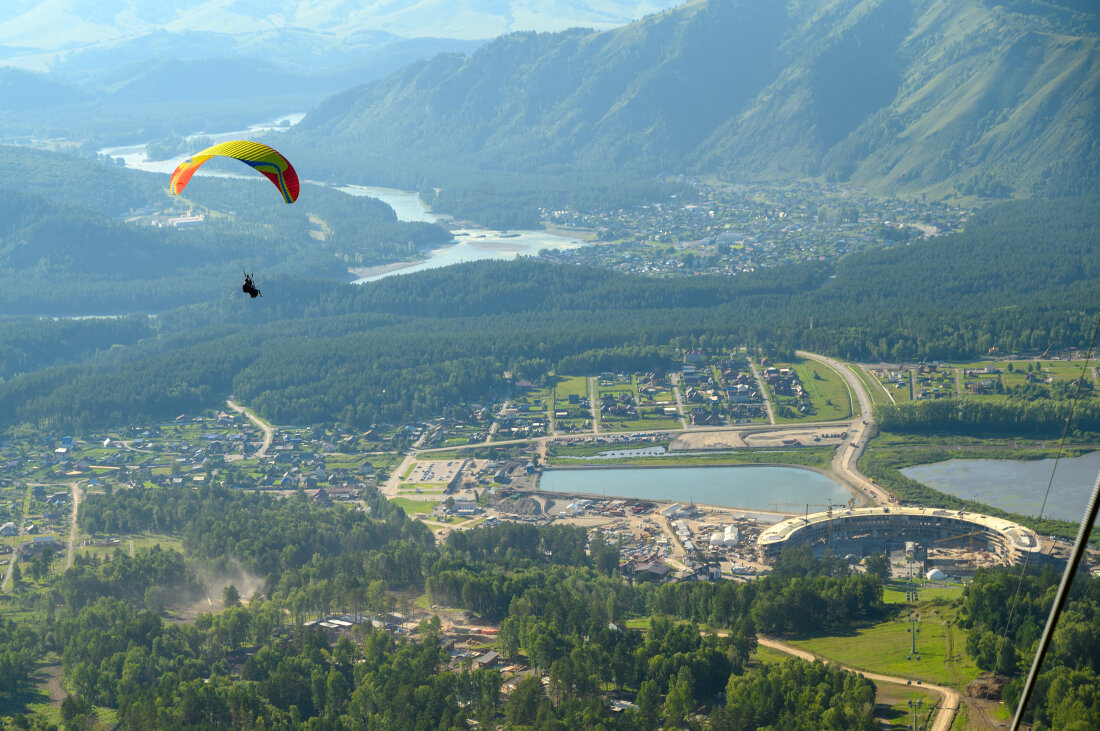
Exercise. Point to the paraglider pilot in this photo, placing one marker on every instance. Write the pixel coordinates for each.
(249, 287)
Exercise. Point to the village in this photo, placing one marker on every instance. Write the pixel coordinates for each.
(731, 230)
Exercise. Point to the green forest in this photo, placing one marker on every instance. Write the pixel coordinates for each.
(890, 96)
(408, 347)
(561, 604)
(682, 654)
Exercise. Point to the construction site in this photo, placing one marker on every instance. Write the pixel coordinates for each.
(954, 541)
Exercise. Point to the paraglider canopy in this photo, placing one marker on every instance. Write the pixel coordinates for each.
(266, 160)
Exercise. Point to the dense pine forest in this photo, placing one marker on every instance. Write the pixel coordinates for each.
(562, 603)
(406, 346)
(557, 595)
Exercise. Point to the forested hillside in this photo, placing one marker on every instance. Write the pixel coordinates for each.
(971, 97)
(406, 347)
(77, 237)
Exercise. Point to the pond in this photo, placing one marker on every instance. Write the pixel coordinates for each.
(751, 487)
(1016, 485)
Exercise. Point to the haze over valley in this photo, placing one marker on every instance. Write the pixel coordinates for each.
(501, 257)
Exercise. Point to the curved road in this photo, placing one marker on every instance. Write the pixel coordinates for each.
(862, 428)
(269, 432)
(950, 699)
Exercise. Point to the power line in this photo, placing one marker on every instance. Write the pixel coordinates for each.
(1074, 560)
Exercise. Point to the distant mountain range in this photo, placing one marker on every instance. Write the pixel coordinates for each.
(938, 96)
(32, 31)
(111, 71)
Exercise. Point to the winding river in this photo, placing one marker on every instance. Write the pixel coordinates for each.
(470, 244)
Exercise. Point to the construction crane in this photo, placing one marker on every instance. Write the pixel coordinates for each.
(969, 536)
(828, 506)
(828, 512)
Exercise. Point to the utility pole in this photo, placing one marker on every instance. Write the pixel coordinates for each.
(913, 628)
(914, 706)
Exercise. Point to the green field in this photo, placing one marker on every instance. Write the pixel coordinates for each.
(883, 647)
(894, 593)
(891, 386)
(828, 392)
(415, 506)
(879, 392)
(643, 424)
(768, 656)
(567, 386)
(892, 703)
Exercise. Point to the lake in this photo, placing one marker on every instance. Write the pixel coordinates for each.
(751, 487)
(1015, 485)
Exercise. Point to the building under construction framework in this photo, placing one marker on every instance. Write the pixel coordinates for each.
(864, 531)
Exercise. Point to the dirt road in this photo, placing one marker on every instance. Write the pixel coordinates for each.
(675, 378)
(594, 405)
(949, 702)
(72, 526)
(763, 391)
(269, 432)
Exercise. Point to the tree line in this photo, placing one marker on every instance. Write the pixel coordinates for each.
(1003, 603)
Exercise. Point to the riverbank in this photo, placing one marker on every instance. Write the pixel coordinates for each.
(583, 234)
(380, 269)
(757, 514)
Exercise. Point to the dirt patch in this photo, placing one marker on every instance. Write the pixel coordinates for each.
(707, 440)
(986, 686)
(51, 683)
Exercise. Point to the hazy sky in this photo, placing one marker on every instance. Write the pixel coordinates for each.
(30, 26)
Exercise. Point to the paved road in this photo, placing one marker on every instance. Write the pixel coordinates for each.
(949, 699)
(862, 428)
(269, 432)
(763, 391)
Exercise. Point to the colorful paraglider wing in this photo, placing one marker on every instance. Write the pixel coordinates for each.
(266, 160)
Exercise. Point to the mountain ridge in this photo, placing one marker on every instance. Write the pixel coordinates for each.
(916, 96)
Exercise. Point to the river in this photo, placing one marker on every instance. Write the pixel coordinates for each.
(133, 156)
(471, 244)
(751, 487)
(468, 245)
(1016, 485)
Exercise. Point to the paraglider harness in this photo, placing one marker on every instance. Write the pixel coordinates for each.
(249, 287)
